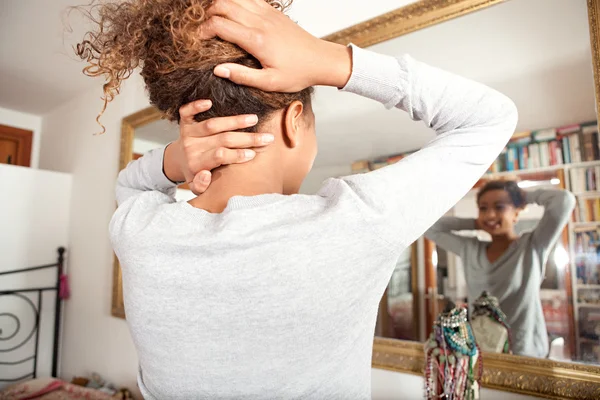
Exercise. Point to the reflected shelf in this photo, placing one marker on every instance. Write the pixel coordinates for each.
(588, 305)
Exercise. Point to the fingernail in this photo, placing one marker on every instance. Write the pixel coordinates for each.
(205, 177)
(249, 154)
(267, 138)
(204, 103)
(222, 72)
(252, 119)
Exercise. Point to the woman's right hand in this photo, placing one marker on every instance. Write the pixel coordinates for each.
(292, 59)
(204, 146)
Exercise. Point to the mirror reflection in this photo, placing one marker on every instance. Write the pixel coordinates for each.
(157, 135)
(527, 233)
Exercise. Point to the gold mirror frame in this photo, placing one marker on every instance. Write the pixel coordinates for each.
(531, 376)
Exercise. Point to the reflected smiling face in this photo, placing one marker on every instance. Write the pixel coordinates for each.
(497, 213)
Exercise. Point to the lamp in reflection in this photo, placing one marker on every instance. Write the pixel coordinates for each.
(529, 184)
(561, 257)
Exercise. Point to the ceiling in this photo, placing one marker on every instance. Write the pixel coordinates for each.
(535, 51)
(39, 71)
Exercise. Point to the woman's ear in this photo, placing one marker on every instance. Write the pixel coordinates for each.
(292, 124)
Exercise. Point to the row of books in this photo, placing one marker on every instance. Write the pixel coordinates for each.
(548, 147)
(585, 179)
(587, 243)
(587, 210)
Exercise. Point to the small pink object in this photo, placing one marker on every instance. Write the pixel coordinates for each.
(64, 292)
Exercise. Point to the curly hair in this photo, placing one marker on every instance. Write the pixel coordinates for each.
(516, 194)
(162, 38)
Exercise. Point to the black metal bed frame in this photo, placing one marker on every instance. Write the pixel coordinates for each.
(59, 265)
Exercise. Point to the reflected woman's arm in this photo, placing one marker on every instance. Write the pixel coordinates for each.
(558, 205)
(442, 233)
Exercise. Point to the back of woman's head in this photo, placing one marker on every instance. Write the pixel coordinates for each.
(516, 194)
(162, 37)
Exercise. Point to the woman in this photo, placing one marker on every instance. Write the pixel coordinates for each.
(251, 290)
(510, 267)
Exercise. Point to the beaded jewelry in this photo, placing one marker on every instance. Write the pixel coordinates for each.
(487, 305)
(451, 355)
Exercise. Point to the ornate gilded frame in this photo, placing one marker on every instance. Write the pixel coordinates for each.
(537, 377)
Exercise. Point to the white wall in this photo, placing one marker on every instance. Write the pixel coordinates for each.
(34, 222)
(26, 121)
(324, 17)
(387, 385)
(94, 341)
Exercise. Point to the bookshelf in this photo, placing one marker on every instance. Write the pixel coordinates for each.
(569, 157)
(571, 154)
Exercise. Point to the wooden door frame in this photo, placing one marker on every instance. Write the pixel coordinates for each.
(24, 139)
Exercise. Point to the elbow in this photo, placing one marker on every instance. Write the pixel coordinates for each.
(569, 200)
(508, 115)
(512, 114)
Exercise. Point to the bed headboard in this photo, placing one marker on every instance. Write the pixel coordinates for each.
(11, 323)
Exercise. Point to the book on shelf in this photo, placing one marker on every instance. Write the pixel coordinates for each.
(587, 210)
(549, 147)
(360, 167)
(585, 179)
(587, 256)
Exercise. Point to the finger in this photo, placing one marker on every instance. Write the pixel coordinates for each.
(200, 182)
(259, 78)
(224, 156)
(230, 31)
(221, 124)
(188, 111)
(240, 140)
(240, 11)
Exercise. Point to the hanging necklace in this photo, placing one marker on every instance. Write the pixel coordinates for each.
(451, 354)
(488, 306)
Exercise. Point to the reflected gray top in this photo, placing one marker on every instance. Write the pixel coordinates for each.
(277, 296)
(515, 277)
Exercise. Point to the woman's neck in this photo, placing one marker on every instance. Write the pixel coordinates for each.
(251, 179)
(504, 240)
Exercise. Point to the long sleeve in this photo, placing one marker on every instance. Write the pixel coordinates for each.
(472, 123)
(442, 233)
(558, 205)
(141, 188)
(142, 175)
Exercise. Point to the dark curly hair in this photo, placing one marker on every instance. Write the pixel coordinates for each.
(162, 38)
(516, 194)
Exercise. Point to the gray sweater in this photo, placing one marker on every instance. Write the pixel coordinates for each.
(276, 297)
(514, 278)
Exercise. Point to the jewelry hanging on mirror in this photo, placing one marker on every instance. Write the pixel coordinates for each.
(495, 337)
(451, 356)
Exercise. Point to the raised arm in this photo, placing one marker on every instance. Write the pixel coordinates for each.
(558, 206)
(472, 124)
(201, 147)
(443, 233)
(145, 174)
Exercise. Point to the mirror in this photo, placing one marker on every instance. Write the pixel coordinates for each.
(538, 53)
(519, 51)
